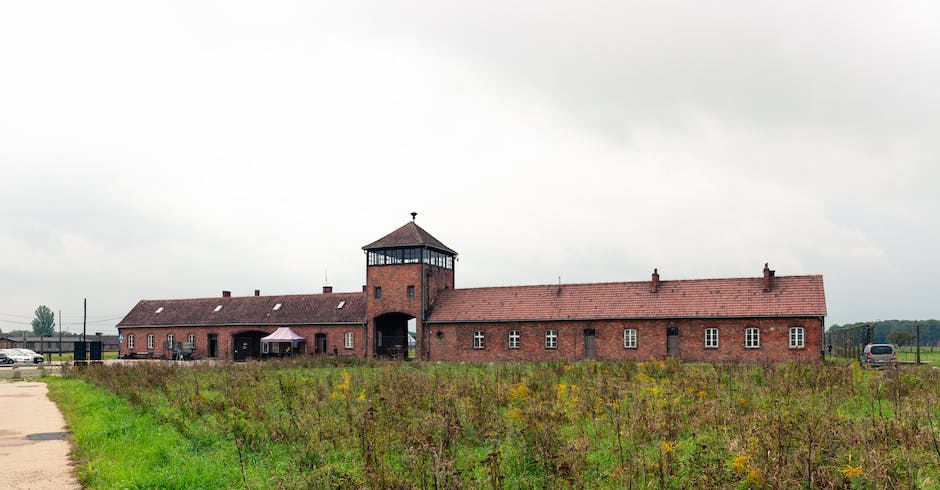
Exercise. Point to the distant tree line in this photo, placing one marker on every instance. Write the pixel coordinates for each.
(899, 332)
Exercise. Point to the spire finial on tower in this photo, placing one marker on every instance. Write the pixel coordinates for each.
(413, 215)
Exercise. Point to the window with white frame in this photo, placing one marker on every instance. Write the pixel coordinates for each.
(551, 339)
(265, 348)
(629, 338)
(796, 337)
(711, 337)
(169, 339)
(130, 341)
(752, 338)
(478, 339)
(150, 341)
(348, 340)
(191, 338)
(513, 339)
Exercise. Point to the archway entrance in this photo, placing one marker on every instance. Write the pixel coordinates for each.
(247, 345)
(391, 335)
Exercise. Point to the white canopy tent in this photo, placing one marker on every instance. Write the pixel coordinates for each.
(283, 341)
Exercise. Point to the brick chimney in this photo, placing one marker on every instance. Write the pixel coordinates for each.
(654, 284)
(327, 289)
(226, 294)
(257, 292)
(365, 287)
(768, 278)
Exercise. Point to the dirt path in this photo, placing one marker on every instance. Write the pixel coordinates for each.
(33, 450)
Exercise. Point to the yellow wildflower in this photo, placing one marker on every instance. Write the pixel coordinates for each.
(668, 446)
(701, 393)
(362, 396)
(754, 477)
(740, 463)
(851, 471)
(519, 392)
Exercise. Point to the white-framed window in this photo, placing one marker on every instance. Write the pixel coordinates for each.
(169, 338)
(191, 338)
(752, 338)
(265, 348)
(348, 340)
(478, 339)
(796, 337)
(711, 337)
(513, 339)
(150, 341)
(629, 338)
(551, 339)
(130, 341)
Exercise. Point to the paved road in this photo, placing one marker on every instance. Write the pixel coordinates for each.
(34, 453)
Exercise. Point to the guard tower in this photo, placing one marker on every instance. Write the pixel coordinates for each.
(404, 272)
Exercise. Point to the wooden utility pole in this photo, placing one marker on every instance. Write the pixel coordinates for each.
(917, 330)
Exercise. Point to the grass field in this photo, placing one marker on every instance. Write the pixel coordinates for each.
(68, 356)
(333, 423)
(927, 354)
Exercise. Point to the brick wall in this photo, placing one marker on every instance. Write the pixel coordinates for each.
(455, 341)
(335, 335)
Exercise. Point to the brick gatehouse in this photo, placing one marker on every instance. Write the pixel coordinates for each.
(410, 288)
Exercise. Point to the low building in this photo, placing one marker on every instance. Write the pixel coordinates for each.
(56, 344)
(410, 287)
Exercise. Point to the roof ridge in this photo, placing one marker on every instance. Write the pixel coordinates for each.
(661, 281)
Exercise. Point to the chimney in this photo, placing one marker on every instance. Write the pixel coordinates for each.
(768, 278)
(226, 294)
(327, 289)
(257, 292)
(654, 284)
(364, 287)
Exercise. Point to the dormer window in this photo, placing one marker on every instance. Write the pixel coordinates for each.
(217, 308)
(159, 310)
(277, 307)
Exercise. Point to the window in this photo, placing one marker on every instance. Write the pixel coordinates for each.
(340, 305)
(551, 339)
(277, 307)
(629, 338)
(378, 292)
(150, 341)
(478, 339)
(169, 339)
(411, 291)
(752, 338)
(265, 348)
(159, 310)
(191, 338)
(130, 341)
(796, 337)
(217, 308)
(513, 339)
(348, 340)
(711, 337)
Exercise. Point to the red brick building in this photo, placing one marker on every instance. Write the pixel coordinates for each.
(410, 287)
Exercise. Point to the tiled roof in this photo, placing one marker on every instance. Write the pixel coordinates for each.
(250, 310)
(697, 298)
(409, 235)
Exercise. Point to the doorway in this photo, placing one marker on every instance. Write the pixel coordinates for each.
(590, 346)
(672, 342)
(319, 343)
(248, 345)
(391, 335)
(213, 344)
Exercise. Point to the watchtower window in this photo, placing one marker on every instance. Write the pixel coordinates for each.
(411, 255)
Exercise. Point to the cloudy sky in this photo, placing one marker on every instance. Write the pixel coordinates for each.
(175, 149)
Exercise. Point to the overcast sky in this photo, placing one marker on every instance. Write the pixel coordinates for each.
(175, 149)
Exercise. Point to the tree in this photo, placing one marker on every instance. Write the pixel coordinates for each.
(44, 322)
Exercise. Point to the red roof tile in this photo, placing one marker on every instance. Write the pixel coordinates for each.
(697, 298)
(296, 309)
(409, 235)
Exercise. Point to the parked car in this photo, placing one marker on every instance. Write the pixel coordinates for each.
(23, 356)
(879, 355)
(5, 359)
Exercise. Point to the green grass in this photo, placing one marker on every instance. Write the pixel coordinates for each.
(927, 354)
(339, 423)
(68, 356)
(118, 446)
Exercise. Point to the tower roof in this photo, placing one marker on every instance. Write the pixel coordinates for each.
(409, 235)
